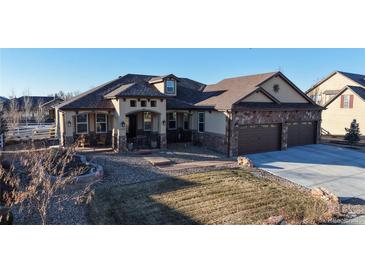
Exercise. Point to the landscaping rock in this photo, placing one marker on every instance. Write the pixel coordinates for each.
(275, 220)
(332, 201)
(244, 162)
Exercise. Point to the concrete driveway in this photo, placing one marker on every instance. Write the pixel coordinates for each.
(340, 170)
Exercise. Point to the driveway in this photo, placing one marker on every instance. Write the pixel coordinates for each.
(340, 170)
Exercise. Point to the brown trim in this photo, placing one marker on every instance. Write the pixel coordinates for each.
(342, 101)
(260, 89)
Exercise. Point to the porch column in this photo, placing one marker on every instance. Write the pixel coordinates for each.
(162, 131)
(121, 140)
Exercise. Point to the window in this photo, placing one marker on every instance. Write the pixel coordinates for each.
(133, 103)
(186, 120)
(81, 123)
(147, 121)
(143, 103)
(201, 121)
(101, 123)
(153, 103)
(170, 87)
(171, 116)
(346, 101)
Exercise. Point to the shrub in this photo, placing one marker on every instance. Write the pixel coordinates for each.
(353, 133)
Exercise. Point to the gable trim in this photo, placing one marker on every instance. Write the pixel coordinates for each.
(340, 93)
(260, 89)
(282, 76)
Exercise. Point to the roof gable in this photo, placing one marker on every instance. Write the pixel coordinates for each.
(355, 89)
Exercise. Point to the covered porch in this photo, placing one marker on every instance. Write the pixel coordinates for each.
(179, 126)
(143, 129)
(93, 128)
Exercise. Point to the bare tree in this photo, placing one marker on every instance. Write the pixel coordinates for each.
(27, 105)
(49, 175)
(40, 113)
(12, 114)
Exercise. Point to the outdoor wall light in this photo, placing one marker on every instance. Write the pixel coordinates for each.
(123, 124)
(163, 122)
(69, 123)
(236, 124)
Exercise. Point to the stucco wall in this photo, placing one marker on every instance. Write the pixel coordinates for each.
(336, 82)
(215, 121)
(335, 119)
(286, 93)
(124, 109)
(257, 97)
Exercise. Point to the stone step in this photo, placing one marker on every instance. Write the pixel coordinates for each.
(158, 161)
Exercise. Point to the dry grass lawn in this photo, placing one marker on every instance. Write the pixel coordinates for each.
(231, 196)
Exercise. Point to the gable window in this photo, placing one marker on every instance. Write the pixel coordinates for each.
(133, 103)
(82, 123)
(153, 103)
(186, 120)
(201, 121)
(347, 101)
(170, 87)
(171, 117)
(143, 103)
(101, 123)
(147, 121)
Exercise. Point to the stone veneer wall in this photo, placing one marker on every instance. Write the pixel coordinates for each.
(247, 117)
(213, 141)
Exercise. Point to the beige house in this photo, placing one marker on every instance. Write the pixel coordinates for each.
(343, 96)
(238, 115)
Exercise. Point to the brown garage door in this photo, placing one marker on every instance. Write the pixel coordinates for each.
(301, 133)
(259, 138)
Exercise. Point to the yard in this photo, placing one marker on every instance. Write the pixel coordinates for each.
(227, 196)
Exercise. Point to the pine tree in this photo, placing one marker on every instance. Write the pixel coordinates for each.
(353, 133)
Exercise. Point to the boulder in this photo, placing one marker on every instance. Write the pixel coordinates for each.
(244, 162)
(275, 220)
(332, 201)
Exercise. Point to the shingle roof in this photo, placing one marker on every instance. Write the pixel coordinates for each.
(135, 89)
(272, 107)
(228, 91)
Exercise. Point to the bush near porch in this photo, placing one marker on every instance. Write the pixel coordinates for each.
(232, 196)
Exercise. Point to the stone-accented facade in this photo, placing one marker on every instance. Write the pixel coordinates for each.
(213, 141)
(248, 117)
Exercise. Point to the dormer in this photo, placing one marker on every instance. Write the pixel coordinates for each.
(165, 84)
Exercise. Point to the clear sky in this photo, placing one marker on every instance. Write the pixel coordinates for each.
(45, 71)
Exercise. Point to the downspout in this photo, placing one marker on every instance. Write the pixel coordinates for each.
(229, 133)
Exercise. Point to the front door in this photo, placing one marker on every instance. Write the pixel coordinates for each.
(132, 129)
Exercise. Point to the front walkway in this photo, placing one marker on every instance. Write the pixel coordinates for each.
(133, 167)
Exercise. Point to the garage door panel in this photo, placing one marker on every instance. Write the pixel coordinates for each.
(301, 133)
(259, 138)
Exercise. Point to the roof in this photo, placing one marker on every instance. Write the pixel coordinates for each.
(357, 78)
(331, 91)
(157, 79)
(190, 94)
(52, 103)
(358, 90)
(3, 99)
(135, 90)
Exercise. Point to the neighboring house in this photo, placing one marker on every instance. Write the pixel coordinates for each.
(3, 101)
(239, 115)
(50, 106)
(343, 96)
(30, 107)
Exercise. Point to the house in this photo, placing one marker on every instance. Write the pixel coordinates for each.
(343, 96)
(246, 114)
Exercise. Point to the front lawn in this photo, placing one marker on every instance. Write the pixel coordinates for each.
(231, 196)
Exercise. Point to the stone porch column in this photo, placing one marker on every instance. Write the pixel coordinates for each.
(162, 131)
(121, 140)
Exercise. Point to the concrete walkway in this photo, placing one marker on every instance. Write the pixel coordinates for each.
(340, 170)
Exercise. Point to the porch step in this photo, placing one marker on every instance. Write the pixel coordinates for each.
(158, 161)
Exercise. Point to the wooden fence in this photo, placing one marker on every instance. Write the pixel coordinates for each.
(31, 132)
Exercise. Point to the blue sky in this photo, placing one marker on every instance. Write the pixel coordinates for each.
(45, 71)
